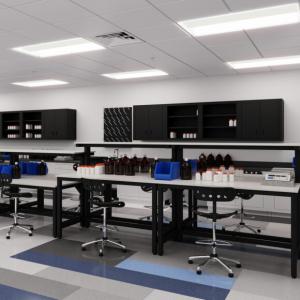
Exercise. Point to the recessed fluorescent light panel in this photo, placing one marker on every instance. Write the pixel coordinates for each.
(40, 83)
(136, 74)
(265, 62)
(62, 47)
(244, 20)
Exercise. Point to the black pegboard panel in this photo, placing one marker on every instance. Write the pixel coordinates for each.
(118, 124)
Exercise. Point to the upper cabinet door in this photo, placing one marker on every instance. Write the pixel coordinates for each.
(59, 124)
(140, 122)
(149, 122)
(156, 122)
(250, 120)
(272, 120)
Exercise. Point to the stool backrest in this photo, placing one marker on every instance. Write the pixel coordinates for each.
(93, 186)
(215, 194)
(5, 180)
(244, 196)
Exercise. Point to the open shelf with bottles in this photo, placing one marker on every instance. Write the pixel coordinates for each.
(183, 121)
(32, 125)
(220, 120)
(11, 128)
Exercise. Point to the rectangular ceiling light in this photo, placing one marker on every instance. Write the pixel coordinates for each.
(265, 62)
(136, 74)
(40, 83)
(244, 20)
(57, 48)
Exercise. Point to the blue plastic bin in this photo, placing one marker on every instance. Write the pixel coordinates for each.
(193, 163)
(167, 170)
(32, 168)
(23, 166)
(6, 169)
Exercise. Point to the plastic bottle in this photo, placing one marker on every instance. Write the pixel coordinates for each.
(186, 170)
(119, 166)
(136, 164)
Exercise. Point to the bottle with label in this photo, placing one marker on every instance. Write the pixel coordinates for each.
(119, 167)
(153, 165)
(186, 170)
(129, 167)
(109, 166)
(42, 168)
(136, 164)
(145, 165)
(228, 161)
(16, 171)
(219, 160)
(202, 164)
(210, 161)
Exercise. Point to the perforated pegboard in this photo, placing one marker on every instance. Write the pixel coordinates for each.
(118, 124)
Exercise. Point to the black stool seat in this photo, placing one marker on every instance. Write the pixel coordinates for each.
(114, 203)
(216, 216)
(17, 195)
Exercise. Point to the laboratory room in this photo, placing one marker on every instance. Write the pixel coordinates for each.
(149, 149)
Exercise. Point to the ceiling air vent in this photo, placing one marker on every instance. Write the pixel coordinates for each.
(117, 39)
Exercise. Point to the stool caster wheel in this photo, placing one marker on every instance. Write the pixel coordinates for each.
(8, 237)
(258, 231)
(124, 250)
(199, 272)
(190, 262)
(30, 234)
(148, 218)
(31, 228)
(83, 248)
(238, 266)
(231, 275)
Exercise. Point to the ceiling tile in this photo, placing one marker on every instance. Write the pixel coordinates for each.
(89, 27)
(111, 6)
(55, 11)
(236, 51)
(189, 9)
(141, 18)
(236, 5)
(15, 3)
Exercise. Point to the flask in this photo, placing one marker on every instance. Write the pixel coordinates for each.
(186, 170)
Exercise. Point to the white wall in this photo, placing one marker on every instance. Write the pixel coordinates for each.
(90, 101)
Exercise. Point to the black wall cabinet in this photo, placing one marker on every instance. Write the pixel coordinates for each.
(262, 120)
(59, 124)
(253, 120)
(149, 122)
(56, 124)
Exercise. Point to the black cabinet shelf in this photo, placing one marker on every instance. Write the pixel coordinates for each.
(254, 120)
(56, 124)
(182, 116)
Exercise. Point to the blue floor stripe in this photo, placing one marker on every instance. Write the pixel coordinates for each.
(10, 293)
(176, 273)
(138, 278)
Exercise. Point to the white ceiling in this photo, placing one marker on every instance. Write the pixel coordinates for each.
(165, 45)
